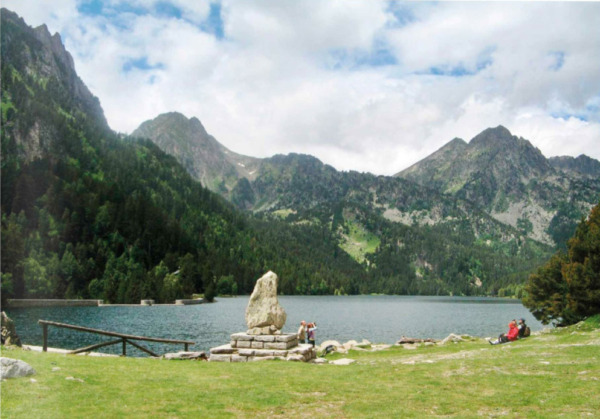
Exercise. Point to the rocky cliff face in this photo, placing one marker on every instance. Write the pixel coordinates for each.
(216, 167)
(511, 179)
(34, 59)
(582, 166)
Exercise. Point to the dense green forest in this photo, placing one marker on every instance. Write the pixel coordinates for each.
(100, 217)
(87, 213)
(465, 252)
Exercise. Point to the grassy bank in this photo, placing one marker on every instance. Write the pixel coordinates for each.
(547, 375)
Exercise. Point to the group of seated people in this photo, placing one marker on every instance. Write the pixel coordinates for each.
(515, 331)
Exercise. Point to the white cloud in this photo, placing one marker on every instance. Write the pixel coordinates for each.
(299, 76)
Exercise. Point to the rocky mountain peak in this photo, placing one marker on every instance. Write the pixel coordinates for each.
(200, 153)
(173, 129)
(40, 63)
(493, 137)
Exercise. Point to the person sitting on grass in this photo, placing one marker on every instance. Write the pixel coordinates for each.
(524, 330)
(512, 335)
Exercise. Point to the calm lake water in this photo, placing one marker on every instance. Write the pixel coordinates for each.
(380, 319)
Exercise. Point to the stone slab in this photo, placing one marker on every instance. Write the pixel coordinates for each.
(184, 356)
(238, 358)
(220, 358)
(286, 338)
(247, 352)
(223, 349)
(242, 336)
(302, 350)
(279, 345)
(264, 338)
(257, 345)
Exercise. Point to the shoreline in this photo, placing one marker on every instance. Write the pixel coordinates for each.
(57, 302)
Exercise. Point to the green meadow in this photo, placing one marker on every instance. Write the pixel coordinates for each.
(555, 373)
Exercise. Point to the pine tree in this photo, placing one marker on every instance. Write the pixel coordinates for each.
(567, 289)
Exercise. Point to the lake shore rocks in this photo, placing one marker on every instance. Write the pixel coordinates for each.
(183, 355)
(452, 338)
(343, 361)
(329, 346)
(404, 340)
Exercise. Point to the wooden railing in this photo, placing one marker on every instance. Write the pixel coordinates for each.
(124, 339)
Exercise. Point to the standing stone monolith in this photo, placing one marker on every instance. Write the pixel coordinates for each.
(264, 315)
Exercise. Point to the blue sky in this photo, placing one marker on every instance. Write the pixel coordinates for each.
(369, 86)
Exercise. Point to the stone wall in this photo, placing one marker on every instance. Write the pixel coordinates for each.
(244, 348)
(18, 303)
(189, 302)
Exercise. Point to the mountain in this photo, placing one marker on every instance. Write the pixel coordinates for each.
(41, 56)
(410, 239)
(87, 214)
(511, 180)
(203, 157)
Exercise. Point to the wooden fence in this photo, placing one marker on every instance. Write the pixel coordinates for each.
(122, 338)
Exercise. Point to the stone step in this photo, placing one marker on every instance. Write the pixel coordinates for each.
(225, 353)
(223, 349)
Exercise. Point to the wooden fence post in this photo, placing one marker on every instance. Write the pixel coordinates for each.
(124, 347)
(45, 332)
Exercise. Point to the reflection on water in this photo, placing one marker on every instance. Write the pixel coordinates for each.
(380, 319)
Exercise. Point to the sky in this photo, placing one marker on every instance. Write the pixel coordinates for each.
(372, 86)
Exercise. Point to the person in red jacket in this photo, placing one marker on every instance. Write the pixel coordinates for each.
(513, 334)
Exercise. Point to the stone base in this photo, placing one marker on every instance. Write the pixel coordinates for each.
(245, 347)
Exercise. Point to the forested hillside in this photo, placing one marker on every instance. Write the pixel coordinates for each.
(86, 214)
(410, 239)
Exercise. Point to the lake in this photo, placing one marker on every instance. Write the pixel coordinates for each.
(380, 319)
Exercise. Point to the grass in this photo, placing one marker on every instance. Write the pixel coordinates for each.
(547, 375)
(359, 242)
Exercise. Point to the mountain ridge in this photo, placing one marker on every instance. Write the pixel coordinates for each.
(512, 180)
(122, 213)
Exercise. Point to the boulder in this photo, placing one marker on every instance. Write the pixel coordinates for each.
(9, 331)
(451, 338)
(364, 343)
(264, 315)
(327, 343)
(14, 368)
(350, 344)
(343, 361)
